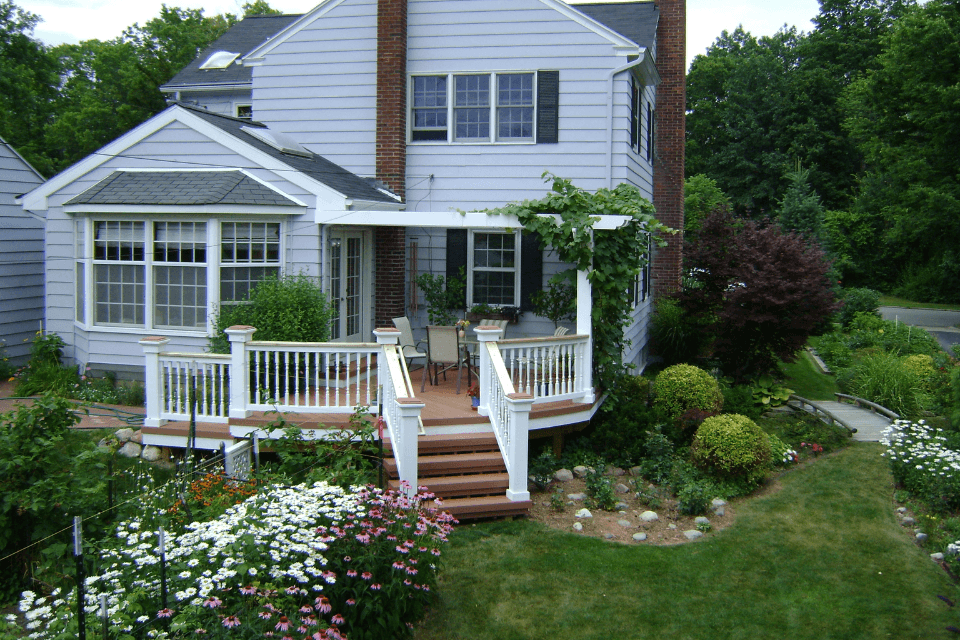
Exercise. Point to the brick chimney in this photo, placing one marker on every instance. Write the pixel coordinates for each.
(391, 162)
(668, 169)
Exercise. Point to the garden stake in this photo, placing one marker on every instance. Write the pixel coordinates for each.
(380, 433)
(103, 615)
(256, 454)
(193, 420)
(78, 553)
(163, 569)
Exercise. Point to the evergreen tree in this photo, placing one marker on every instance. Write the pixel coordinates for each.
(800, 209)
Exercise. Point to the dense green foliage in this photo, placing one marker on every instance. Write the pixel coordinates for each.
(444, 297)
(682, 387)
(732, 447)
(701, 196)
(290, 308)
(59, 104)
(857, 300)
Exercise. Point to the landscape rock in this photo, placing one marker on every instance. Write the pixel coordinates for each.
(616, 472)
(952, 549)
(636, 471)
(137, 436)
(649, 516)
(719, 511)
(622, 506)
(624, 523)
(921, 536)
(576, 497)
(150, 453)
(581, 471)
(717, 502)
(584, 513)
(693, 534)
(901, 509)
(671, 526)
(936, 557)
(577, 526)
(123, 435)
(908, 521)
(608, 536)
(621, 488)
(563, 475)
(130, 450)
(639, 537)
(701, 520)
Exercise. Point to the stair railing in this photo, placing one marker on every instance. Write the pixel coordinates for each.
(508, 411)
(401, 410)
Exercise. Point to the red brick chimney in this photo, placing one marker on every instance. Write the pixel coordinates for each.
(391, 162)
(668, 169)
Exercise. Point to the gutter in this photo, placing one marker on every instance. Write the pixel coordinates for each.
(650, 76)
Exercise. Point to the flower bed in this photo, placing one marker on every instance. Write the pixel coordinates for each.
(299, 562)
(923, 464)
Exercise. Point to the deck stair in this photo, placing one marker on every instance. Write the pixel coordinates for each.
(467, 471)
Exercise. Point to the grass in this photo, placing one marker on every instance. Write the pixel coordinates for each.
(804, 377)
(823, 557)
(891, 301)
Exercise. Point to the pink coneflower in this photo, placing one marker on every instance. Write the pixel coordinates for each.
(306, 609)
(399, 565)
(407, 582)
(231, 621)
(212, 602)
(337, 619)
(310, 621)
(402, 549)
(282, 624)
(347, 558)
(422, 549)
(435, 552)
(200, 631)
(323, 604)
(351, 602)
(411, 571)
(248, 590)
(351, 573)
(363, 538)
(164, 613)
(376, 586)
(329, 575)
(392, 537)
(292, 590)
(366, 575)
(266, 615)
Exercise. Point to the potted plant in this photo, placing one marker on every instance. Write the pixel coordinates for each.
(462, 327)
(442, 296)
(480, 312)
(558, 301)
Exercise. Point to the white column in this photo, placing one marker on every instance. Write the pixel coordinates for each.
(406, 454)
(239, 336)
(152, 347)
(517, 448)
(485, 333)
(585, 327)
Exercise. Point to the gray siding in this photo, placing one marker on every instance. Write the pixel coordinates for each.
(187, 148)
(21, 259)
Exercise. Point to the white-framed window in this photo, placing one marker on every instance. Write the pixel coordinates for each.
(493, 268)
(153, 274)
(243, 111)
(636, 118)
(482, 107)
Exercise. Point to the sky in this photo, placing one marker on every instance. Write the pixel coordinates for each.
(76, 20)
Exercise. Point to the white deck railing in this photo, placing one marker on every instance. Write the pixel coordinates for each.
(401, 410)
(549, 369)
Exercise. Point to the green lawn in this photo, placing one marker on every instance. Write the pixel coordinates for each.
(805, 379)
(823, 557)
(890, 301)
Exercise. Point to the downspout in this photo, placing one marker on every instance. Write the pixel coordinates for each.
(613, 74)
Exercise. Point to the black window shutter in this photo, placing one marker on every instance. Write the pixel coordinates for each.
(634, 114)
(548, 106)
(457, 256)
(531, 269)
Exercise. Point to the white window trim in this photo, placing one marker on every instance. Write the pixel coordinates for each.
(493, 138)
(516, 269)
(236, 110)
(212, 264)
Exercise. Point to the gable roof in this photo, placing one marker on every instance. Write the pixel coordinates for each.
(634, 20)
(180, 188)
(317, 167)
(241, 38)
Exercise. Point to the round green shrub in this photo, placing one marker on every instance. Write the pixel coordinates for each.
(683, 387)
(731, 447)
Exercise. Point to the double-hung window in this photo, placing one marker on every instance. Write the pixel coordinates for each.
(162, 275)
(494, 260)
(484, 107)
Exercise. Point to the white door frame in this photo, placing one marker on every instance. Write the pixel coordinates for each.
(350, 283)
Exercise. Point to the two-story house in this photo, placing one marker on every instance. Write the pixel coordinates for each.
(345, 144)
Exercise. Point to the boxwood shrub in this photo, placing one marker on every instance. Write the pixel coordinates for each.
(731, 447)
(683, 387)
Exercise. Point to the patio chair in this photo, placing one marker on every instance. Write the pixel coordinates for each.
(444, 353)
(409, 348)
(561, 331)
(502, 324)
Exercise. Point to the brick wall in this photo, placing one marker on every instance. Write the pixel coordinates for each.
(391, 161)
(668, 170)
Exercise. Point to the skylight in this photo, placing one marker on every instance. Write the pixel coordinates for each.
(278, 140)
(219, 60)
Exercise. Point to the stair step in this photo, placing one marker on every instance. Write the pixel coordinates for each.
(485, 507)
(454, 443)
(463, 486)
(452, 464)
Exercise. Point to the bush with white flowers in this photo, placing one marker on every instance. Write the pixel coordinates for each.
(314, 561)
(923, 464)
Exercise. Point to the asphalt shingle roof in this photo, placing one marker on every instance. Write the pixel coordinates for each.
(180, 188)
(634, 20)
(243, 37)
(317, 167)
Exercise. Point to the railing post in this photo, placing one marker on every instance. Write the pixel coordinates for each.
(585, 327)
(485, 333)
(239, 336)
(385, 336)
(409, 410)
(517, 448)
(152, 347)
